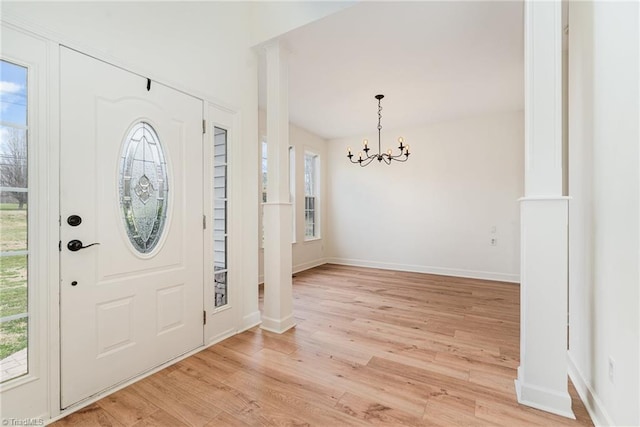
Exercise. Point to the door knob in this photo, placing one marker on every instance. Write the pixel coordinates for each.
(76, 245)
(74, 220)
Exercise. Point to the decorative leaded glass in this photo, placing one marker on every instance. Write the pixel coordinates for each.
(143, 187)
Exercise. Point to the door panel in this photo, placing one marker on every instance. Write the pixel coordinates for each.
(124, 312)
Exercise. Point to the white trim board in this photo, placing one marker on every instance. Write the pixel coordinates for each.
(300, 267)
(442, 271)
(594, 406)
(308, 265)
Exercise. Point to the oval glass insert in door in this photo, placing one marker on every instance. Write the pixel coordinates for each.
(143, 187)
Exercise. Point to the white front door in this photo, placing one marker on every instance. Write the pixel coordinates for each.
(132, 181)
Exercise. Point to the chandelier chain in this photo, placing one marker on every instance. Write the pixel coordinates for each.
(379, 125)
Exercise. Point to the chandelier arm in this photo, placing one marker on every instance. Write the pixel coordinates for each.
(366, 161)
(400, 158)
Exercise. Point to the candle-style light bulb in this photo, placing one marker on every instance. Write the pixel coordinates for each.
(349, 150)
(360, 155)
(365, 142)
(401, 140)
(406, 149)
(389, 151)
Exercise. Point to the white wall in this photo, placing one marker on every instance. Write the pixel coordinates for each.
(273, 18)
(604, 213)
(311, 253)
(434, 213)
(202, 48)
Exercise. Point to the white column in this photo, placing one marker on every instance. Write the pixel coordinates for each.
(542, 375)
(277, 314)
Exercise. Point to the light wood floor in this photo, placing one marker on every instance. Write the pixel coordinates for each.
(370, 347)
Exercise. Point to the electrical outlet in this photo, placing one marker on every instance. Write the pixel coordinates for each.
(611, 369)
(493, 241)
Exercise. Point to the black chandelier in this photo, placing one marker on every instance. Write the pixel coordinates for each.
(380, 156)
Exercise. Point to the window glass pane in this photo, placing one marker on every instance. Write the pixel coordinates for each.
(309, 168)
(219, 146)
(13, 284)
(13, 93)
(13, 348)
(309, 216)
(220, 182)
(292, 191)
(14, 317)
(219, 218)
(264, 171)
(144, 187)
(220, 254)
(220, 280)
(13, 219)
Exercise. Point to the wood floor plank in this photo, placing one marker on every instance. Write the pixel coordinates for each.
(227, 420)
(188, 409)
(367, 409)
(127, 406)
(160, 418)
(370, 347)
(317, 411)
(91, 416)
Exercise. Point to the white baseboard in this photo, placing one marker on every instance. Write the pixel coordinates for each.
(221, 336)
(544, 399)
(307, 265)
(299, 267)
(594, 406)
(277, 326)
(472, 274)
(250, 320)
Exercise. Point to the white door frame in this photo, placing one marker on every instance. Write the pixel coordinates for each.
(28, 396)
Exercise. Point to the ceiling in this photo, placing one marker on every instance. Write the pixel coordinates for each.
(433, 61)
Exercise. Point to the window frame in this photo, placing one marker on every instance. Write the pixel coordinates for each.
(43, 219)
(263, 185)
(225, 235)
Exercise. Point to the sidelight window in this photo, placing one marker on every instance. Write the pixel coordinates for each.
(14, 216)
(220, 236)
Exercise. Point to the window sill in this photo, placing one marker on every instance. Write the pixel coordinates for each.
(312, 239)
(293, 243)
